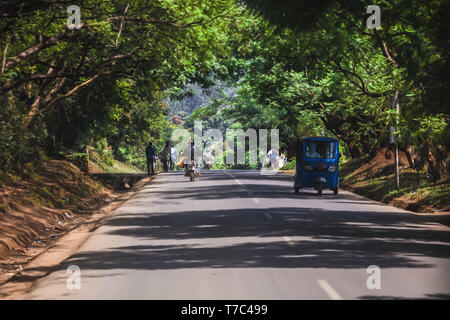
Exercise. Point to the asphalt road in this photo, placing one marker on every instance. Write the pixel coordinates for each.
(240, 235)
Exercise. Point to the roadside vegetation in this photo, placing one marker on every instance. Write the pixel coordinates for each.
(135, 71)
(376, 179)
(41, 201)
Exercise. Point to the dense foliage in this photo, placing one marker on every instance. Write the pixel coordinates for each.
(305, 67)
(65, 89)
(317, 68)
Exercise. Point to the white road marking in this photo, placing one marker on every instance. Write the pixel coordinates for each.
(240, 183)
(329, 290)
(289, 241)
(268, 216)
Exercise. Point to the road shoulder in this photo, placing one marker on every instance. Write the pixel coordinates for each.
(44, 262)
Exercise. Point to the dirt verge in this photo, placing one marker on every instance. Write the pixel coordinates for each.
(45, 260)
(375, 179)
(44, 204)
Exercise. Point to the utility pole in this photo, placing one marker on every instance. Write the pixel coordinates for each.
(394, 138)
(397, 172)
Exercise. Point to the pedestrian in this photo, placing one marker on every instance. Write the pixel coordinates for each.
(273, 156)
(165, 156)
(173, 158)
(150, 154)
(193, 154)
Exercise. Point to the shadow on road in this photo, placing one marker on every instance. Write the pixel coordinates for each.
(327, 240)
(232, 192)
(246, 238)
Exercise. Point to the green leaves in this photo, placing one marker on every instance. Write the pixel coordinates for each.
(305, 67)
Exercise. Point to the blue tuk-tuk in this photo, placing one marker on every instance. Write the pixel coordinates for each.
(317, 164)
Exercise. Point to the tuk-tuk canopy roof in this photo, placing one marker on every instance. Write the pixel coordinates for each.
(318, 138)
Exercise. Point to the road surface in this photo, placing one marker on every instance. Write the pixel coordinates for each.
(241, 235)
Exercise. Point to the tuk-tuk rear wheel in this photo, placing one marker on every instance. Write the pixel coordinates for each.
(319, 191)
(296, 189)
(336, 190)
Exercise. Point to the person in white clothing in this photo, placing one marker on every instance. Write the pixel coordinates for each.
(273, 156)
(173, 158)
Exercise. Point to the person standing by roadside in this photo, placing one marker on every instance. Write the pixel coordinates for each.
(150, 153)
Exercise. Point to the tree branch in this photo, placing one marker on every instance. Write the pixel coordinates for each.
(121, 26)
(52, 75)
(5, 51)
(361, 85)
(31, 50)
(167, 22)
(57, 99)
(384, 47)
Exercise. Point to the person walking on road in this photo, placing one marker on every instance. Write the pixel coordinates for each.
(165, 156)
(173, 158)
(192, 153)
(273, 155)
(150, 154)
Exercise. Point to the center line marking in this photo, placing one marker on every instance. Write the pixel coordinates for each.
(240, 183)
(329, 290)
(289, 241)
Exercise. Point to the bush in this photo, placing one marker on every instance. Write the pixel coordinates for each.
(290, 165)
(81, 160)
(127, 155)
(105, 151)
(19, 146)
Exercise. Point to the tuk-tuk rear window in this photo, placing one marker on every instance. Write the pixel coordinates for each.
(320, 149)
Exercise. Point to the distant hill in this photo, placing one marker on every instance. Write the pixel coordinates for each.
(196, 97)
